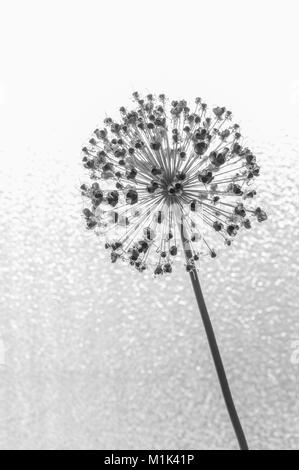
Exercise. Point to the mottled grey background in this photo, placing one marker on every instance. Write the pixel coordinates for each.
(93, 355)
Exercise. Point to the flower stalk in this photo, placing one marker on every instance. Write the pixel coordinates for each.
(227, 395)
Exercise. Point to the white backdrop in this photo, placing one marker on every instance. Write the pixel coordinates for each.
(92, 356)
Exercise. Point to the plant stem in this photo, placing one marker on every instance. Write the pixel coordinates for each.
(216, 353)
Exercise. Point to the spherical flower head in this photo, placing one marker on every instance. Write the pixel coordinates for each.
(166, 180)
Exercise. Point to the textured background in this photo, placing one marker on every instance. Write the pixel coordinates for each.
(93, 355)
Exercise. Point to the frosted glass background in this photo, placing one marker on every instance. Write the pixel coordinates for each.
(94, 355)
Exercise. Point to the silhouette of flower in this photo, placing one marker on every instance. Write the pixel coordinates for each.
(164, 174)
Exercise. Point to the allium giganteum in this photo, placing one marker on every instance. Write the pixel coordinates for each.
(165, 176)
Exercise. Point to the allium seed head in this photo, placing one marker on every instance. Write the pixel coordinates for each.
(166, 180)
